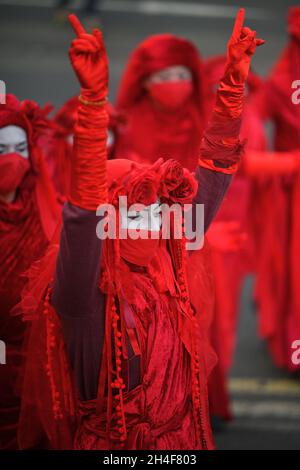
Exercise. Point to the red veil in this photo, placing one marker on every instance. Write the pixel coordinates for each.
(49, 399)
(150, 132)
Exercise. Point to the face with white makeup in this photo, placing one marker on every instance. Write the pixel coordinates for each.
(13, 139)
(174, 73)
(171, 87)
(14, 160)
(149, 218)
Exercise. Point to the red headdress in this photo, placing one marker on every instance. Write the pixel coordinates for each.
(150, 132)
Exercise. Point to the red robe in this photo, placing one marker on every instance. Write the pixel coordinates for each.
(230, 264)
(278, 279)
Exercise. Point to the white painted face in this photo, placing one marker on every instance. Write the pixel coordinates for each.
(147, 219)
(175, 73)
(13, 139)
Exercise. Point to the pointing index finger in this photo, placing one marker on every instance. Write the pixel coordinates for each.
(76, 25)
(239, 21)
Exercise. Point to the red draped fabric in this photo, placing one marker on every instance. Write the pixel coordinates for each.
(169, 410)
(277, 290)
(26, 225)
(152, 132)
(233, 225)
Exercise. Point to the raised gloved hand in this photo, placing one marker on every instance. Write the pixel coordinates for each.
(221, 148)
(240, 48)
(89, 61)
(88, 170)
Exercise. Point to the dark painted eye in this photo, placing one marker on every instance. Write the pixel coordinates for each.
(134, 217)
(21, 147)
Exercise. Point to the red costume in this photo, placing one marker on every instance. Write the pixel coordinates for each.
(154, 131)
(231, 244)
(277, 289)
(26, 225)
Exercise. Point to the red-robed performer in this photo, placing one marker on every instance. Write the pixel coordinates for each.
(127, 312)
(28, 214)
(231, 244)
(162, 93)
(277, 291)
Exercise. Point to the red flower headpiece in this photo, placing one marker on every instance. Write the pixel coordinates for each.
(169, 182)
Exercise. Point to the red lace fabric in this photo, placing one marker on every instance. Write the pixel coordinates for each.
(150, 132)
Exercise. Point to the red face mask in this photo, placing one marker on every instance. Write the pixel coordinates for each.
(171, 95)
(13, 168)
(140, 251)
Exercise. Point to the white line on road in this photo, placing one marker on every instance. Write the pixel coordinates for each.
(271, 408)
(256, 386)
(147, 7)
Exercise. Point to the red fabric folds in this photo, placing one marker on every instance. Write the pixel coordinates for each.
(26, 226)
(88, 183)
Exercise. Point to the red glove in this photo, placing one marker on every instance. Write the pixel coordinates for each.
(89, 61)
(221, 148)
(240, 48)
(88, 170)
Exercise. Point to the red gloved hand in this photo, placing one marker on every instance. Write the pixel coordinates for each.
(221, 148)
(88, 171)
(89, 61)
(241, 46)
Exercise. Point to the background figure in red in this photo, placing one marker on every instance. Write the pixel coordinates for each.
(231, 243)
(162, 94)
(59, 158)
(231, 266)
(28, 214)
(277, 292)
(59, 152)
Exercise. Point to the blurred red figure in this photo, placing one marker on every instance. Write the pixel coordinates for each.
(278, 288)
(234, 219)
(60, 158)
(231, 243)
(162, 94)
(28, 214)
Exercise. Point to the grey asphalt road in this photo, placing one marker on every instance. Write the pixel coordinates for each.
(34, 64)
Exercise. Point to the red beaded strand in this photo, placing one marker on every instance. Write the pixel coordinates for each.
(51, 343)
(179, 260)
